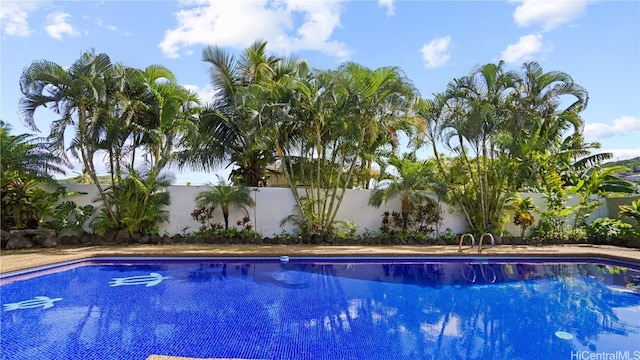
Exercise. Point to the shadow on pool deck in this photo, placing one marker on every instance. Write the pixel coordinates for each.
(12, 260)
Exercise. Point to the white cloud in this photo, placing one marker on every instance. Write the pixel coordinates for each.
(549, 13)
(621, 126)
(239, 23)
(622, 154)
(101, 24)
(524, 49)
(57, 26)
(436, 53)
(111, 27)
(388, 4)
(205, 94)
(14, 15)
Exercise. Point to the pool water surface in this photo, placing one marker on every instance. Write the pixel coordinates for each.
(319, 308)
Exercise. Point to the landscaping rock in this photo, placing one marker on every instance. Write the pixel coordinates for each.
(166, 239)
(4, 238)
(122, 237)
(97, 240)
(108, 237)
(633, 243)
(28, 238)
(177, 239)
(155, 239)
(69, 240)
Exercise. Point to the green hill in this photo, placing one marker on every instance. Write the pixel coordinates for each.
(633, 164)
(104, 179)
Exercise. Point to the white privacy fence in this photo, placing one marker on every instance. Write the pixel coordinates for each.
(275, 204)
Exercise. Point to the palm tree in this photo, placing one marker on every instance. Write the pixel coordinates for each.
(229, 133)
(80, 96)
(469, 117)
(537, 124)
(170, 115)
(328, 126)
(414, 178)
(225, 196)
(26, 156)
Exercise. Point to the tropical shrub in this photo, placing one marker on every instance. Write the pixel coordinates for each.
(419, 222)
(523, 217)
(27, 188)
(632, 211)
(70, 217)
(225, 196)
(607, 229)
(138, 203)
(414, 178)
(344, 229)
(25, 203)
(204, 216)
(210, 229)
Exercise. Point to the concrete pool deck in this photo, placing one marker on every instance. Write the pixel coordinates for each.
(14, 260)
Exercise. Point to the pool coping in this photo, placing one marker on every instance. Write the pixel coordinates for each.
(16, 260)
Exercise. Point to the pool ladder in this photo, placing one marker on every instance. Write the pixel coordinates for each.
(473, 241)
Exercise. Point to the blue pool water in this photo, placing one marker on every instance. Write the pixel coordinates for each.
(323, 309)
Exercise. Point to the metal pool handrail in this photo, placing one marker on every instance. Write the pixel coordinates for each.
(473, 241)
(493, 242)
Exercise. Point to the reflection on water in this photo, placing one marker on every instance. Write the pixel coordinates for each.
(296, 310)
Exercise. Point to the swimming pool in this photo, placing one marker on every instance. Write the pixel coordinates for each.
(323, 308)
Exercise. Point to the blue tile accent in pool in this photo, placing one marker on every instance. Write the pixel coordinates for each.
(316, 309)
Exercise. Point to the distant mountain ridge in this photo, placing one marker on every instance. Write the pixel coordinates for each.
(633, 164)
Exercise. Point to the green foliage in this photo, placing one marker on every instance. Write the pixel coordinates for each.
(127, 114)
(552, 220)
(524, 220)
(225, 196)
(632, 211)
(138, 201)
(449, 236)
(204, 215)
(596, 181)
(25, 203)
(210, 229)
(27, 189)
(419, 221)
(328, 126)
(522, 216)
(609, 229)
(344, 229)
(71, 217)
(17, 211)
(304, 224)
(504, 127)
(414, 177)
(26, 156)
(231, 130)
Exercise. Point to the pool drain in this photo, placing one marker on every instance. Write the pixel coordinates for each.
(564, 335)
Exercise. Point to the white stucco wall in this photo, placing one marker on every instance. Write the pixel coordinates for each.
(274, 204)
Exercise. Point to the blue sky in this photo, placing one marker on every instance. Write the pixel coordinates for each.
(596, 42)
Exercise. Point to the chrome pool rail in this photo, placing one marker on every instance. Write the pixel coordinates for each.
(473, 241)
(493, 242)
